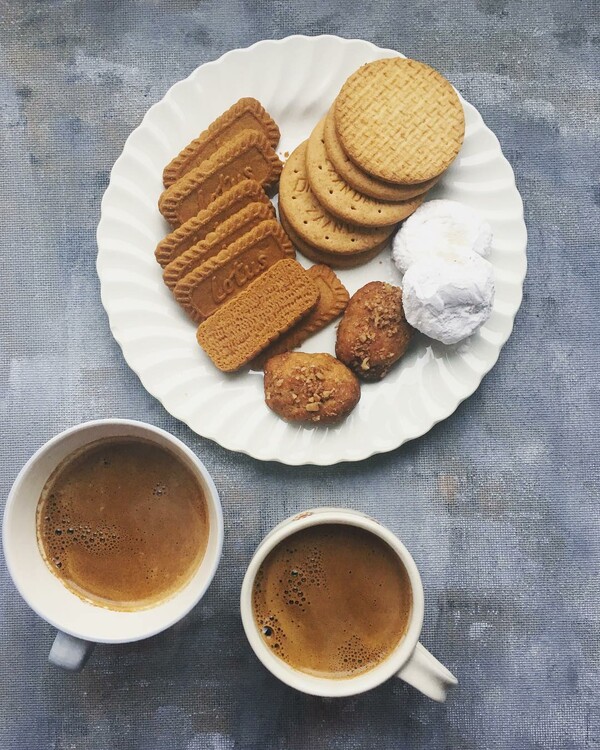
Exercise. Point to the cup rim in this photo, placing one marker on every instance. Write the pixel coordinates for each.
(216, 530)
(326, 686)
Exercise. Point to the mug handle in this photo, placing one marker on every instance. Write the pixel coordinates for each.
(70, 653)
(424, 672)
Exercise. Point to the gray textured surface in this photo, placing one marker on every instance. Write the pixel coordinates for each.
(499, 504)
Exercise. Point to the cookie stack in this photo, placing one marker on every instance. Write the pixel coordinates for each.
(227, 261)
(393, 130)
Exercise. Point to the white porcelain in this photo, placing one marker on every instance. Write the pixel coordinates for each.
(296, 79)
(81, 623)
(410, 661)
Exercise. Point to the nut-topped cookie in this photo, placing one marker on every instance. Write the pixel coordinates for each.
(313, 388)
(373, 334)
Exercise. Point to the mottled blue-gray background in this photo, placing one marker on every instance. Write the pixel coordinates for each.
(499, 504)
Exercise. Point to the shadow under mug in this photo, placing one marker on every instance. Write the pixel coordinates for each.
(80, 623)
(410, 661)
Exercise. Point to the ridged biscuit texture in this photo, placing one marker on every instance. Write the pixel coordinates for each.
(335, 260)
(312, 223)
(247, 156)
(342, 200)
(246, 325)
(197, 227)
(399, 120)
(245, 114)
(361, 181)
(225, 234)
(225, 275)
(333, 298)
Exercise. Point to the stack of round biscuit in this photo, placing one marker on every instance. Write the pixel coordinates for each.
(393, 130)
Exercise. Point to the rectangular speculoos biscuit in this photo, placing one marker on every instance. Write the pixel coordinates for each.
(246, 114)
(247, 324)
(333, 298)
(225, 234)
(225, 275)
(247, 156)
(199, 226)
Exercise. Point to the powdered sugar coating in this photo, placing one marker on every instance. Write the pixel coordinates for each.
(441, 227)
(448, 298)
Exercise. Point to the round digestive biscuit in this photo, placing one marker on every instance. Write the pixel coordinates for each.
(361, 181)
(344, 201)
(312, 223)
(399, 120)
(335, 260)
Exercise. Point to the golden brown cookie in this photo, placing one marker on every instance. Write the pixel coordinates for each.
(362, 181)
(314, 388)
(399, 120)
(333, 298)
(312, 223)
(248, 323)
(195, 229)
(342, 200)
(335, 260)
(225, 234)
(247, 156)
(373, 334)
(245, 114)
(225, 275)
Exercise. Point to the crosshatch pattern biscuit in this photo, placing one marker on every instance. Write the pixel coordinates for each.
(333, 298)
(373, 334)
(247, 156)
(246, 114)
(360, 180)
(223, 277)
(312, 223)
(342, 200)
(399, 120)
(335, 260)
(198, 227)
(315, 388)
(247, 324)
(225, 234)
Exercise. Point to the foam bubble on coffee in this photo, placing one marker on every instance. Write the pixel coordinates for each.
(333, 600)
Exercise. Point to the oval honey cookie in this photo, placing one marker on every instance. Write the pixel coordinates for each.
(399, 120)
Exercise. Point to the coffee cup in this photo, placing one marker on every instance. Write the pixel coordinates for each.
(408, 660)
(81, 623)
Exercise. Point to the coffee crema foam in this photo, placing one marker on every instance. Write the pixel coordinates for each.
(123, 523)
(332, 600)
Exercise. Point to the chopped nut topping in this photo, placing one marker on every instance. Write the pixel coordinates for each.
(364, 365)
(312, 407)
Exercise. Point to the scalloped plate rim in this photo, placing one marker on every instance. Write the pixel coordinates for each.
(355, 452)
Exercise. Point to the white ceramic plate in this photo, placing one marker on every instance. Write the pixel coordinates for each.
(296, 79)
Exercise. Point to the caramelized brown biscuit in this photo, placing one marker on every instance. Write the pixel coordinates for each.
(304, 387)
(223, 277)
(246, 114)
(225, 234)
(373, 334)
(247, 324)
(247, 156)
(195, 229)
(335, 260)
(333, 298)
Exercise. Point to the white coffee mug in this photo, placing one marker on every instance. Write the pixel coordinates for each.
(80, 623)
(409, 660)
